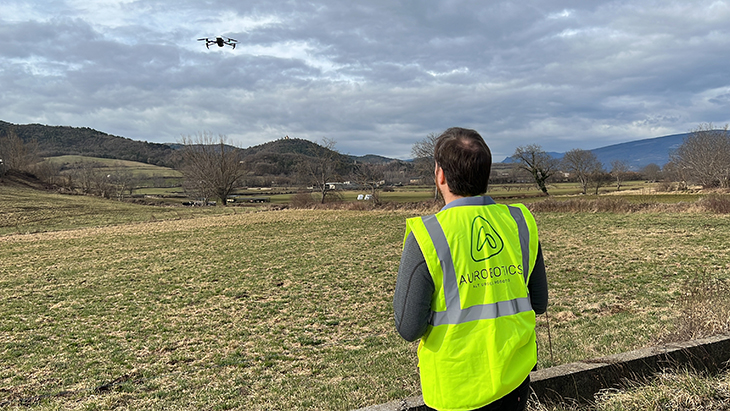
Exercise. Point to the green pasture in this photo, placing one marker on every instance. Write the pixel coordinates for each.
(137, 169)
(106, 305)
(160, 191)
(147, 175)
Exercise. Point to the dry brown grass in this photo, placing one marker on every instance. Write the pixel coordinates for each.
(680, 390)
(306, 201)
(714, 203)
(672, 391)
(704, 306)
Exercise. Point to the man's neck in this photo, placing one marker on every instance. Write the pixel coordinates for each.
(449, 197)
(443, 186)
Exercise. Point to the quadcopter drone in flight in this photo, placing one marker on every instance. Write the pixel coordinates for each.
(220, 41)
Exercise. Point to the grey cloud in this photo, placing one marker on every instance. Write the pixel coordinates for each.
(374, 76)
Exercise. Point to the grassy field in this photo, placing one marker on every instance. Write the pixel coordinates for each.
(27, 211)
(164, 182)
(143, 170)
(105, 305)
(147, 176)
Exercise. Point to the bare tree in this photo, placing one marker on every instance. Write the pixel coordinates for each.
(17, 155)
(537, 162)
(704, 157)
(423, 151)
(322, 169)
(673, 172)
(371, 176)
(211, 167)
(423, 160)
(651, 172)
(582, 164)
(123, 182)
(599, 178)
(83, 176)
(619, 171)
(101, 184)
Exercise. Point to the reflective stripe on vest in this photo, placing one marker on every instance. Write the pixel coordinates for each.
(454, 314)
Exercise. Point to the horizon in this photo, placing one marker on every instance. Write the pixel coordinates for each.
(351, 154)
(377, 77)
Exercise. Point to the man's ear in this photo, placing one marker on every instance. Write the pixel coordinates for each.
(440, 176)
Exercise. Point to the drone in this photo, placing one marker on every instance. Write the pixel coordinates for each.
(220, 41)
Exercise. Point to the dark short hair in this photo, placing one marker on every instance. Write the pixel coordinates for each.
(465, 159)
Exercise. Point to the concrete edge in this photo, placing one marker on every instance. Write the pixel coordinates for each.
(580, 381)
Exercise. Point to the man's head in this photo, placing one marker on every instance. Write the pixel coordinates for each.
(465, 159)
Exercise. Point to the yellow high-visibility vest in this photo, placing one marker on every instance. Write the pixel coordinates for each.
(480, 343)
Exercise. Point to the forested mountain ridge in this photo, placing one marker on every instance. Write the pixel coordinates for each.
(278, 156)
(62, 140)
(274, 157)
(282, 156)
(636, 154)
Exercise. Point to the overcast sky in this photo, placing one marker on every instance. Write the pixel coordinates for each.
(374, 76)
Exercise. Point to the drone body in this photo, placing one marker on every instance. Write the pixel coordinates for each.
(220, 41)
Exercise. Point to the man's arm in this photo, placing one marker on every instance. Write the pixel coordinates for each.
(413, 290)
(537, 286)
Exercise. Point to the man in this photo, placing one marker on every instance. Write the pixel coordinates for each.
(471, 280)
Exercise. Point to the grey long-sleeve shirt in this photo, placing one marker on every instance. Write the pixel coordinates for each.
(414, 287)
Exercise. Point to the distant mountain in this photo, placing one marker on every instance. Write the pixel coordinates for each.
(553, 154)
(280, 156)
(60, 140)
(640, 153)
(274, 157)
(372, 158)
(637, 154)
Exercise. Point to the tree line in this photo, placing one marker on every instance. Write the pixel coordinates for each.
(213, 169)
(702, 159)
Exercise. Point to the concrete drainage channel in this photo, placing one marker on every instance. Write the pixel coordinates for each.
(580, 381)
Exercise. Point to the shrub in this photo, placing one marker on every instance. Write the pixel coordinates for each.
(333, 196)
(600, 205)
(302, 199)
(716, 203)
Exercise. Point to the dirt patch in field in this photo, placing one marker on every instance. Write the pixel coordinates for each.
(13, 178)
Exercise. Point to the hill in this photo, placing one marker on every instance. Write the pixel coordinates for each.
(61, 140)
(279, 156)
(640, 153)
(276, 156)
(373, 159)
(637, 154)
